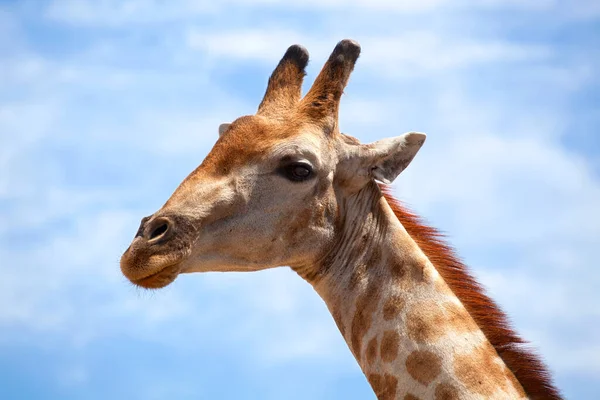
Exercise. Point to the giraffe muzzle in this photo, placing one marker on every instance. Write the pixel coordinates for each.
(154, 257)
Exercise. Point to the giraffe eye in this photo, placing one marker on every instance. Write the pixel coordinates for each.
(297, 172)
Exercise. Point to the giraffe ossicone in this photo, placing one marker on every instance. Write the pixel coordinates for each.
(285, 187)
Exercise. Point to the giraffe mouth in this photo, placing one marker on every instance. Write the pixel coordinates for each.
(159, 279)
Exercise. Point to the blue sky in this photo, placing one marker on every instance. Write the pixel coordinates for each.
(105, 106)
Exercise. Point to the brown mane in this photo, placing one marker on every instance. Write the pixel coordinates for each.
(527, 366)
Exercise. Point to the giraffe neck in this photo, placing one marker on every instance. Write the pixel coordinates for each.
(410, 334)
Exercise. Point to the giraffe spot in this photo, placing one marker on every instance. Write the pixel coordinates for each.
(389, 346)
(428, 321)
(366, 305)
(384, 386)
(411, 397)
(392, 307)
(425, 323)
(446, 391)
(372, 351)
(479, 371)
(424, 366)
(399, 272)
(459, 318)
(411, 273)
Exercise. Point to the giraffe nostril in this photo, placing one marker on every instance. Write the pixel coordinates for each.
(158, 229)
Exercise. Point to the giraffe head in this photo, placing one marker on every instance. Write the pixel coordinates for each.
(268, 193)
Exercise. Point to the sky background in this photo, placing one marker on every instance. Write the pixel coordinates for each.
(106, 105)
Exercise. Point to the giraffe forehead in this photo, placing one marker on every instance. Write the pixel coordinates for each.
(252, 139)
(246, 139)
(238, 151)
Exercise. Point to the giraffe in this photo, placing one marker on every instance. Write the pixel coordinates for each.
(285, 187)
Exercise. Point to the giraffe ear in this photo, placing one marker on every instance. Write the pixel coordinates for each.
(223, 128)
(387, 158)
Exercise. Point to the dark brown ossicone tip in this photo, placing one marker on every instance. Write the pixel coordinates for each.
(321, 103)
(347, 50)
(285, 84)
(298, 55)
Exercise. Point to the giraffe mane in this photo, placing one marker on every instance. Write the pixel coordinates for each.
(524, 363)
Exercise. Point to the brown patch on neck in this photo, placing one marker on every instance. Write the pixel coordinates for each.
(426, 323)
(384, 386)
(390, 343)
(372, 351)
(468, 366)
(526, 366)
(366, 304)
(424, 366)
(393, 306)
(446, 391)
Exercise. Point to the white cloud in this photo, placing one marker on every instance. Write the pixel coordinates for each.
(423, 52)
(404, 55)
(38, 116)
(520, 171)
(114, 13)
(263, 45)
